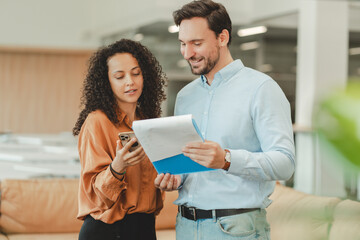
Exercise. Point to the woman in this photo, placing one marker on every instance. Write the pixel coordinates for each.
(117, 197)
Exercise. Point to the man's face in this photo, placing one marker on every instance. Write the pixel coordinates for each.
(199, 45)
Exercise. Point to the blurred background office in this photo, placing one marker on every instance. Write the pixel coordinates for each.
(311, 48)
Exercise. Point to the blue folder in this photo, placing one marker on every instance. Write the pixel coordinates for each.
(180, 164)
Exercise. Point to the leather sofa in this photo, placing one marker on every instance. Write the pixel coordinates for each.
(42, 209)
(39, 209)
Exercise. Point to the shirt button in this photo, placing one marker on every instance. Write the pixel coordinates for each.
(211, 92)
(203, 133)
(205, 113)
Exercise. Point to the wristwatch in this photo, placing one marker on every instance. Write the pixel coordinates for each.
(227, 160)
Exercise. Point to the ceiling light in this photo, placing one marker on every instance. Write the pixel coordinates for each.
(354, 51)
(249, 46)
(138, 37)
(251, 31)
(173, 29)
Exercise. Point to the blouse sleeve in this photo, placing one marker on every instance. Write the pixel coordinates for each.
(96, 153)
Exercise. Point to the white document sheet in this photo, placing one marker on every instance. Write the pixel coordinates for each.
(163, 139)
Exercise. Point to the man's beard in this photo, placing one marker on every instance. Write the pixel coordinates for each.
(209, 65)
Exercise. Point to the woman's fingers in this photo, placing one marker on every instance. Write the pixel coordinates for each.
(129, 144)
(135, 157)
(118, 145)
(158, 180)
(136, 160)
(167, 182)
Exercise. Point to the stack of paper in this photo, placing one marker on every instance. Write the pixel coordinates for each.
(163, 139)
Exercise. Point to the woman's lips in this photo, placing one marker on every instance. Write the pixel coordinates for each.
(131, 92)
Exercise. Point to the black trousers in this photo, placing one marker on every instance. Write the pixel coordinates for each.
(137, 226)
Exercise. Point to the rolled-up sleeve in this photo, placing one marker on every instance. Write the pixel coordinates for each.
(101, 187)
(273, 127)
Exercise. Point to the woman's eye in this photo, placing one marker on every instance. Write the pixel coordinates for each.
(137, 74)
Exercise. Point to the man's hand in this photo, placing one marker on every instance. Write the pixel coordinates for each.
(208, 153)
(167, 182)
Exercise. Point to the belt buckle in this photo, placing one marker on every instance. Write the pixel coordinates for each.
(193, 212)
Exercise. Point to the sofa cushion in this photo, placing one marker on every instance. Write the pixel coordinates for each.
(3, 237)
(167, 217)
(346, 223)
(39, 206)
(297, 216)
(166, 234)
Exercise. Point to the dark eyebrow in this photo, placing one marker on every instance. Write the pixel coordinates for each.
(193, 40)
(120, 71)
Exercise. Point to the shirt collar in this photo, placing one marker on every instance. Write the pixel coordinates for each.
(121, 116)
(225, 73)
(124, 119)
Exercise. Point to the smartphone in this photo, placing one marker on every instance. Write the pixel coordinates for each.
(125, 137)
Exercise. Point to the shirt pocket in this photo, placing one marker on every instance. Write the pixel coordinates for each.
(240, 225)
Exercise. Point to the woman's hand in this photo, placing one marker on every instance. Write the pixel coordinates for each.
(124, 158)
(167, 182)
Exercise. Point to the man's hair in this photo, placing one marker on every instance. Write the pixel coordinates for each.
(215, 14)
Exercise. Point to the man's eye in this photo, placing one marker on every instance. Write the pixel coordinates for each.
(197, 44)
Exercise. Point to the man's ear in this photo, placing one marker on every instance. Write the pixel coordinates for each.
(223, 38)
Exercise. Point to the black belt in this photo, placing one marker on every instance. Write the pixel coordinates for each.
(194, 213)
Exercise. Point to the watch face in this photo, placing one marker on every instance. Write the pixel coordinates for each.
(228, 156)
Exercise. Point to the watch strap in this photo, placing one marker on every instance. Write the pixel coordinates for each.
(227, 164)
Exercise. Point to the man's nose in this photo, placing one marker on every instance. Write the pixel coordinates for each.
(188, 52)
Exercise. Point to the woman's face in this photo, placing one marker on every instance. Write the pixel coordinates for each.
(126, 79)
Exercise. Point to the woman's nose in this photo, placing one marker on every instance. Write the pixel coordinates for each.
(129, 80)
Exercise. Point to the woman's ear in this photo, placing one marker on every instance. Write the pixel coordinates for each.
(224, 38)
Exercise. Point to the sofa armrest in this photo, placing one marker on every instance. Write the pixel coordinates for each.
(346, 223)
(39, 206)
(167, 217)
(3, 237)
(298, 216)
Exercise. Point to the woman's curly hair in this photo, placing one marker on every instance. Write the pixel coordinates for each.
(98, 95)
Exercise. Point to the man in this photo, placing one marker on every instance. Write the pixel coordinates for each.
(244, 117)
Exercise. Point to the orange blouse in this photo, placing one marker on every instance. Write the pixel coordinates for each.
(101, 194)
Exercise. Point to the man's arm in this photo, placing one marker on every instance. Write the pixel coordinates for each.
(270, 112)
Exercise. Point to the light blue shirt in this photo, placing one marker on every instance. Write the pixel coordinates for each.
(246, 112)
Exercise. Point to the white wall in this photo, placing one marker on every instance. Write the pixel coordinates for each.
(43, 23)
(269, 9)
(354, 16)
(82, 23)
(112, 16)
